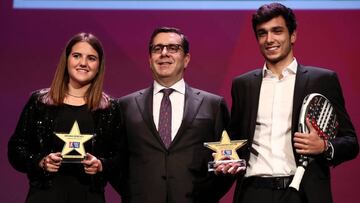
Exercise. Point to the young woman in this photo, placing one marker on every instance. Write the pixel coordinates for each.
(75, 96)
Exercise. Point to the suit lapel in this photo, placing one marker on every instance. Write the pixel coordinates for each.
(299, 93)
(254, 89)
(145, 104)
(193, 100)
(301, 81)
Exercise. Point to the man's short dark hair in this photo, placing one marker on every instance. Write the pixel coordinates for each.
(269, 11)
(184, 40)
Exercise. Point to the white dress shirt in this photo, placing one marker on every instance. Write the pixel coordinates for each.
(177, 98)
(272, 153)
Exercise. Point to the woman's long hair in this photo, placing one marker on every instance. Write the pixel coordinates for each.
(95, 98)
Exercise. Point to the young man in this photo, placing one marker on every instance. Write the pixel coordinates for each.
(166, 126)
(266, 107)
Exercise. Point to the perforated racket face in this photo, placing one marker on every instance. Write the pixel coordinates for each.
(322, 116)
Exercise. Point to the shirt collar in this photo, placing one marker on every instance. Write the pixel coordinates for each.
(179, 86)
(290, 69)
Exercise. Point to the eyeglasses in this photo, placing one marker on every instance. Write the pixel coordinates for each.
(170, 48)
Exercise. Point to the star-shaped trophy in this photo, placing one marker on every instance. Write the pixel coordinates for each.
(74, 141)
(225, 151)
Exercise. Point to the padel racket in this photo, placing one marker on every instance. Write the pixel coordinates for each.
(322, 116)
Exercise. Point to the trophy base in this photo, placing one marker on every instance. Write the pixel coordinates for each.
(242, 162)
(73, 159)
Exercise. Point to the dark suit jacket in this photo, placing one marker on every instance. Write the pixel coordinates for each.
(245, 98)
(178, 173)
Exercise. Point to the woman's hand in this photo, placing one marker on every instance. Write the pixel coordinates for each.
(92, 165)
(51, 162)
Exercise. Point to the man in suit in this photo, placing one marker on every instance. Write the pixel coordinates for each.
(265, 111)
(167, 162)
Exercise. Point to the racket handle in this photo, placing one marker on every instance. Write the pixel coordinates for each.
(299, 173)
(304, 160)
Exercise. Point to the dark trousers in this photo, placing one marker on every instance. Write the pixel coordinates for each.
(267, 190)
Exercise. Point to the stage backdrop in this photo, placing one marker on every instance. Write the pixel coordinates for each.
(222, 46)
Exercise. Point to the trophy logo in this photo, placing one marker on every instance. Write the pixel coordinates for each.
(74, 141)
(225, 151)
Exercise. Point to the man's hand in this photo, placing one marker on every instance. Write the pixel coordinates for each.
(227, 168)
(309, 143)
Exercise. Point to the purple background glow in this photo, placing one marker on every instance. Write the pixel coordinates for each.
(222, 46)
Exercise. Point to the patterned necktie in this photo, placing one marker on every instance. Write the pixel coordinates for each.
(165, 117)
